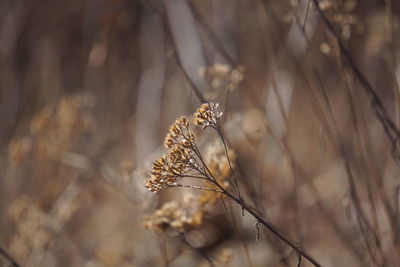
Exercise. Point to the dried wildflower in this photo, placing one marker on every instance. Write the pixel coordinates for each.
(223, 76)
(217, 162)
(180, 160)
(54, 130)
(31, 228)
(325, 4)
(41, 120)
(185, 160)
(208, 115)
(162, 177)
(169, 218)
(179, 134)
(225, 256)
(168, 169)
(178, 217)
(35, 228)
(18, 150)
(341, 13)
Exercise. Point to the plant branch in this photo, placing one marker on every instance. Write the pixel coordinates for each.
(8, 257)
(270, 227)
(390, 128)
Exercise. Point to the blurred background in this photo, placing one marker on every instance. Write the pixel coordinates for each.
(89, 88)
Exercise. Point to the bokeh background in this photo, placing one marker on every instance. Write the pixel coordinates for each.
(89, 88)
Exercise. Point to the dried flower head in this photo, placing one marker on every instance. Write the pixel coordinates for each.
(55, 130)
(225, 256)
(223, 77)
(342, 15)
(217, 162)
(174, 217)
(184, 159)
(208, 115)
(179, 134)
(32, 231)
(18, 149)
(180, 158)
(161, 177)
(180, 216)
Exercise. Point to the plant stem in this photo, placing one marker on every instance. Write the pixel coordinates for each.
(269, 226)
(8, 257)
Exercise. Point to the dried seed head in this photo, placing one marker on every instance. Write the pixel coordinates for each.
(179, 217)
(162, 177)
(179, 134)
(168, 169)
(223, 77)
(183, 156)
(172, 217)
(208, 115)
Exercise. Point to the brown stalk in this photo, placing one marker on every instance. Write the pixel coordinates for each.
(9, 257)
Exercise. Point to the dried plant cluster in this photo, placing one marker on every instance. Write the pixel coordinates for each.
(35, 229)
(303, 161)
(223, 77)
(54, 130)
(179, 217)
(183, 159)
(174, 217)
(342, 15)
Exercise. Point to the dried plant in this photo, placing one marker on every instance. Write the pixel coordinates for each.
(223, 76)
(184, 160)
(54, 130)
(309, 138)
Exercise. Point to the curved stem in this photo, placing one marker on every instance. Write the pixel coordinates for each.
(229, 161)
(270, 227)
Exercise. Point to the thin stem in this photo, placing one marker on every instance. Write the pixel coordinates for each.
(200, 252)
(261, 220)
(269, 226)
(206, 169)
(199, 187)
(8, 257)
(229, 161)
(193, 176)
(389, 126)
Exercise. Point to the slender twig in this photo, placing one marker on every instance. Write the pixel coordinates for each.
(193, 176)
(271, 227)
(264, 222)
(239, 200)
(198, 251)
(229, 163)
(198, 187)
(9, 257)
(390, 128)
(195, 89)
(298, 260)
